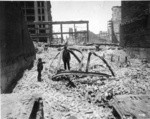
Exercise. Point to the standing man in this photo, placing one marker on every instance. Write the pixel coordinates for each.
(40, 68)
(66, 58)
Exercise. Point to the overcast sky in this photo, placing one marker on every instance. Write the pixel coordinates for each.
(97, 12)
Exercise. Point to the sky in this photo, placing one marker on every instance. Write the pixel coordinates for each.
(98, 13)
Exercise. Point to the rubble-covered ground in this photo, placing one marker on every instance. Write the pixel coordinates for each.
(85, 101)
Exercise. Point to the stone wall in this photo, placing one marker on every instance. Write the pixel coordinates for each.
(17, 49)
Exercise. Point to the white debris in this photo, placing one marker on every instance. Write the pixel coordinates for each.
(61, 102)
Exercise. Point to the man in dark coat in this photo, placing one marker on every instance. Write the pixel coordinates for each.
(40, 68)
(66, 58)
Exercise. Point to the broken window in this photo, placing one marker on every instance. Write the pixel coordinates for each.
(42, 4)
(32, 31)
(39, 18)
(30, 18)
(43, 39)
(22, 4)
(42, 11)
(31, 26)
(39, 11)
(43, 18)
(40, 26)
(42, 31)
(29, 4)
(38, 4)
(24, 12)
(30, 11)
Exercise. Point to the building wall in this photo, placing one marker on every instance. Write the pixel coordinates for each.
(135, 27)
(17, 49)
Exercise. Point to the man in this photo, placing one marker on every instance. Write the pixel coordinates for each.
(66, 58)
(40, 68)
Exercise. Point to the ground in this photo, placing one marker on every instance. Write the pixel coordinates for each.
(85, 100)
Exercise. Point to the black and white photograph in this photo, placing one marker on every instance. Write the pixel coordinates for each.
(75, 59)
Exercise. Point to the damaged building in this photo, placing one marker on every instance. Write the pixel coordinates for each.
(38, 11)
(135, 28)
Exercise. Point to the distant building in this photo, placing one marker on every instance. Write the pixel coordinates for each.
(114, 25)
(104, 36)
(36, 11)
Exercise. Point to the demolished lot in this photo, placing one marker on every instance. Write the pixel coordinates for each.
(88, 97)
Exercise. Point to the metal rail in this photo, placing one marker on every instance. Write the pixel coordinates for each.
(80, 73)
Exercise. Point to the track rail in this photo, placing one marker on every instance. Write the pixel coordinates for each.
(80, 73)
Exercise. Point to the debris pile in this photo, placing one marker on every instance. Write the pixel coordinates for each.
(88, 100)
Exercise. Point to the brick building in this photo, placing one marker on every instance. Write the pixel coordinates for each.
(135, 27)
(38, 11)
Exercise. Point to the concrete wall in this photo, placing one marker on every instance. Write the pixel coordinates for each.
(17, 49)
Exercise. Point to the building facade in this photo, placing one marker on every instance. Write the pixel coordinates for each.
(38, 11)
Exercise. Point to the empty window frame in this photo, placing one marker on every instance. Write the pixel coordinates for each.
(43, 18)
(39, 18)
(39, 11)
(30, 12)
(43, 11)
(30, 18)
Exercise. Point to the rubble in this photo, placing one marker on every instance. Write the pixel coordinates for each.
(89, 98)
